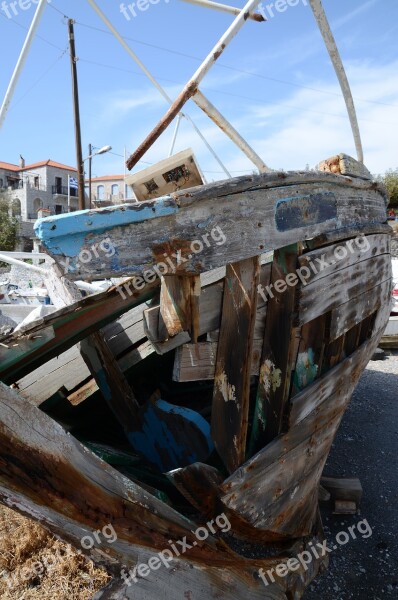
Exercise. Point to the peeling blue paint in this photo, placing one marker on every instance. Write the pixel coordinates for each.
(306, 369)
(299, 211)
(68, 234)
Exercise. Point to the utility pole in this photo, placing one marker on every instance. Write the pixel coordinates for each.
(76, 110)
(90, 155)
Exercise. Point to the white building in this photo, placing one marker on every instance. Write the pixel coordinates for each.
(108, 190)
(39, 185)
(30, 188)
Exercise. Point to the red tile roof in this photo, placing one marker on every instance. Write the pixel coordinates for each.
(107, 178)
(49, 163)
(43, 163)
(9, 166)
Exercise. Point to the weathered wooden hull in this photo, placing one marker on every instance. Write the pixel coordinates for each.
(287, 338)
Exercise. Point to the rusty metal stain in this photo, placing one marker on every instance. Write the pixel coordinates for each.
(217, 54)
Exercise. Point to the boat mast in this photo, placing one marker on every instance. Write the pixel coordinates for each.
(162, 91)
(335, 57)
(21, 60)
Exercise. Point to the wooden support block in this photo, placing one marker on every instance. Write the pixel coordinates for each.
(345, 489)
(234, 362)
(345, 507)
(179, 304)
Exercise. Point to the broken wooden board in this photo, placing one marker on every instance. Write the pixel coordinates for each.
(357, 309)
(56, 480)
(231, 393)
(279, 351)
(199, 484)
(271, 212)
(71, 324)
(344, 165)
(276, 491)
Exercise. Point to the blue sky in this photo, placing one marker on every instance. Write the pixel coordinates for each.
(275, 83)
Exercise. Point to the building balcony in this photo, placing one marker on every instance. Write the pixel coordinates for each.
(62, 190)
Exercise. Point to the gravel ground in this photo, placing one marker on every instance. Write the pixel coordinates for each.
(366, 447)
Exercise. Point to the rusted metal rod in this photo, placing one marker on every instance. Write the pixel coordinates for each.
(331, 46)
(212, 112)
(152, 79)
(233, 10)
(192, 85)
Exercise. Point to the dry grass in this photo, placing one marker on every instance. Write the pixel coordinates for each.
(36, 566)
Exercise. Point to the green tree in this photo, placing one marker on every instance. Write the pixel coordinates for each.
(390, 180)
(8, 226)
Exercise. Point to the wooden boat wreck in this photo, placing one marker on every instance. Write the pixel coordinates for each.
(273, 377)
(192, 407)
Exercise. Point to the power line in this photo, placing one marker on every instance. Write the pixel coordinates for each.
(39, 79)
(229, 67)
(37, 35)
(240, 96)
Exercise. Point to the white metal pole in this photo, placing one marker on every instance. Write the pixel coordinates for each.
(173, 141)
(224, 8)
(21, 60)
(192, 86)
(68, 192)
(331, 46)
(211, 111)
(138, 61)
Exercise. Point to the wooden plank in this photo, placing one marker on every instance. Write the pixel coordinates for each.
(323, 262)
(279, 352)
(71, 324)
(197, 362)
(341, 286)
(339, 235)
(357, 309)
(233, 368)
(249, 222)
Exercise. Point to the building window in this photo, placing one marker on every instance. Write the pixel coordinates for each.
(1, 183)
(115, 189)
(100, 192)
(16, 208)
(58, 185)
(36, 183)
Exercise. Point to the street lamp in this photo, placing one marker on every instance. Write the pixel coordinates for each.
(102, 150)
